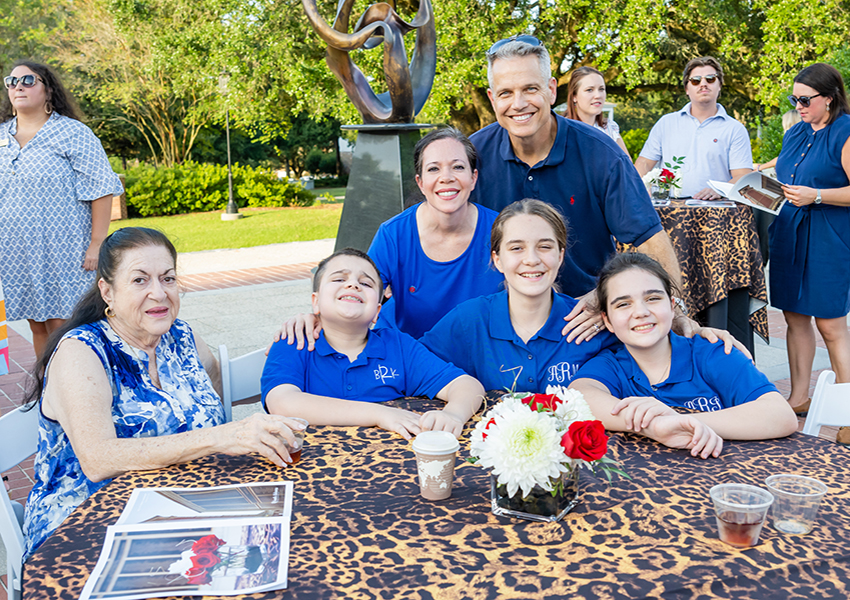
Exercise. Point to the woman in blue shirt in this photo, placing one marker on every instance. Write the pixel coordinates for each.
(435, 254)
(810, 237)
(635, 386)
(123, 386)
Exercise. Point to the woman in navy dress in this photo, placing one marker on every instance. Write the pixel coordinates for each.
(810, 239)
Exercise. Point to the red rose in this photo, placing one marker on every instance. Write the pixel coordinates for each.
(545, 401)
(208, 543)
(585, 440)
(205, 560)
(198, 576)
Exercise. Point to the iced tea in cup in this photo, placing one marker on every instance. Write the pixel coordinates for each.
(295, 450)
(740, 510)
(797, 501)
(435, 460)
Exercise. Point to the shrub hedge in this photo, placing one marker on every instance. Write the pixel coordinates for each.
(201, 187)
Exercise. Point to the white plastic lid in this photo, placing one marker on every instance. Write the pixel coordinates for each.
(435, 442)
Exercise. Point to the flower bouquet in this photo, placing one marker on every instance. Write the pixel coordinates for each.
(534, 446)
(662, 181)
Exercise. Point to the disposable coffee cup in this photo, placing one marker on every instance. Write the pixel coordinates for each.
(741, 511)
(797, 501)
(435, 460)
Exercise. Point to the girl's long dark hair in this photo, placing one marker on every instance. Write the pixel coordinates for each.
(58, 97)
(91, 306)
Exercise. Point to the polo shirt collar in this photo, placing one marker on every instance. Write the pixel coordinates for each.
(720, 114)
(681, 362)
(375, 347)
(502, 329)
(557, 153)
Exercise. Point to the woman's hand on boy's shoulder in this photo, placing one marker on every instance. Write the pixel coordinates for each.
(440, 420)
(300, 328)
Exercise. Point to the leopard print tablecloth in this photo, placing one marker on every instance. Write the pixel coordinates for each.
(718, 251)
(360, 529)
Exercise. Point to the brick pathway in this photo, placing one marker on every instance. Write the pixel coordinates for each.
(12, 386)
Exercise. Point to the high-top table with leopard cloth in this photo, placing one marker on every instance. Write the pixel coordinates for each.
(361, 530)
(718, 251)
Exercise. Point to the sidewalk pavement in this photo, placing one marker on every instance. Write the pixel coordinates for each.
(241, 298)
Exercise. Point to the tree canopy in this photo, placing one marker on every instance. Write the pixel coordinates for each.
(157, 72)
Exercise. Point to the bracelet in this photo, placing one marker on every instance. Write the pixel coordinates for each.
(681, 305)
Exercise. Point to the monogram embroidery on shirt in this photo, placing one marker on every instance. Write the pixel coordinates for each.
(703, 404)
(383, 373)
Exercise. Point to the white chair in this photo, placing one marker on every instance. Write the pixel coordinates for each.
(830, 404)
(240, 377)
(18, 441)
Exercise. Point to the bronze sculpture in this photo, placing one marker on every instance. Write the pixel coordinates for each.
(408, 86)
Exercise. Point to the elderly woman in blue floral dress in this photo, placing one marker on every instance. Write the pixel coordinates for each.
(125, 387)
(56, 189)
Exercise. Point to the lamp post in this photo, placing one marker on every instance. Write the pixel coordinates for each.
(231, 213)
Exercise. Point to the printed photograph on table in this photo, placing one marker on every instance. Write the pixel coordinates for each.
(179, 504)
(224, 541)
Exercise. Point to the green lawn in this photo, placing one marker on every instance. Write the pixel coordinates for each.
(260, 226)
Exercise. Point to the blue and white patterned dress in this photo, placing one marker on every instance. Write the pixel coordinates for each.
(186, 401)
(46, 189)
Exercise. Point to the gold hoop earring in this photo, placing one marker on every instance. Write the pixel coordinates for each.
(109, 312)
(48, 107)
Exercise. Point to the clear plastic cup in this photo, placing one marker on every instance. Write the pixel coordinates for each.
(295, 450)
(797, 501)
(741, 511)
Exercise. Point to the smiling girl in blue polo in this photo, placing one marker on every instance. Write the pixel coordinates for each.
(657, 369)
(353, 369)
(513, 340)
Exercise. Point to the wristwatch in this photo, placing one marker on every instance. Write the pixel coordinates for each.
(681, 304)
(818, 200)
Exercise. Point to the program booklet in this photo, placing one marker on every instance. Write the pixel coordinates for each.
(756, 189)
(216, 541)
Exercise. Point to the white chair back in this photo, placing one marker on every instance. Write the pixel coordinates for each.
(830, 404)
(240, 377)
(18, 441)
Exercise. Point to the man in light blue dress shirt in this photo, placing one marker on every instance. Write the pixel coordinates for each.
(713, 144)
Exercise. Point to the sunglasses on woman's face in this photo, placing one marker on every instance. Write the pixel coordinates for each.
(25, 80)
(528, 39)
(709, 79)
(804, 101)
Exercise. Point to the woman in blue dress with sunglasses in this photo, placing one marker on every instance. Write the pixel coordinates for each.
(56, 189)
(810, 239)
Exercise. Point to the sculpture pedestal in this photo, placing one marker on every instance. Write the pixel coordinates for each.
(381, 180)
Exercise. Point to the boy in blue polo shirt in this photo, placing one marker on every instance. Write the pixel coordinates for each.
(353, 369)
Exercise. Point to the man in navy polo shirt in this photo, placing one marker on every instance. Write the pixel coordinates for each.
(533, 153)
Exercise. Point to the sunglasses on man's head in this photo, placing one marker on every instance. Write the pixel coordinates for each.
(26, 80)
(803, 100)
(709, 79)
(528, 39)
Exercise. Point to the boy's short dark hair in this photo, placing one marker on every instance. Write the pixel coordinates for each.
(320, 270)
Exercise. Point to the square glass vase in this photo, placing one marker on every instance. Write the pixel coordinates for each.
(539, 505)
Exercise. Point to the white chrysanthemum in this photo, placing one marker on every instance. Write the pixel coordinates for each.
(573, 406)
(650, 177)
(522, 447)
